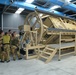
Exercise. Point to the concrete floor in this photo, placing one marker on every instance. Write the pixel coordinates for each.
(67, 66)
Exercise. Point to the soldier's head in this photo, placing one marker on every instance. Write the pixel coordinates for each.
(14, 34)
(6, 33)
(9, 30)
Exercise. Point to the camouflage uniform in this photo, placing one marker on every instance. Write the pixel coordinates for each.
(2, 52)
(6, 46)
(7, 51)
(15, 49)
(0, 46)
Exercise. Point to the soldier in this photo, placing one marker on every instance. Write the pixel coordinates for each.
(1, 47)
(9, 32)
(3, 53)
(14, 46)
(6, 45)
(0, 42)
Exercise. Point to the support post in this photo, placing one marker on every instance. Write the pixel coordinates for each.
(26, 53)
(36, 38)
(59, 46)
(75, 44)
(2, 21)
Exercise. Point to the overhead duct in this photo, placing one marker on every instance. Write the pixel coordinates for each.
(32, 7)
(43, 3)
(65, 1)
(64, 4)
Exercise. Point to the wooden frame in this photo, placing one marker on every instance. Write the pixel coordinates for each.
(38, 47)
(60, 48)
(58, 23)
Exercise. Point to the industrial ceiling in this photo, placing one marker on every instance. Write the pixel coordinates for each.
(67, 7)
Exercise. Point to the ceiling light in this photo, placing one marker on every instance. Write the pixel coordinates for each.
(55, 7)
(68, 1)
(29, 1)
(65, 1)
(19, 10)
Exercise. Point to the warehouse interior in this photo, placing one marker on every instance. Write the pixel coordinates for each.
(37, 37)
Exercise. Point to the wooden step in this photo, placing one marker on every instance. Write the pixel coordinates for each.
(44, 57)
(51, 56)
(49, 49)
(47, 53)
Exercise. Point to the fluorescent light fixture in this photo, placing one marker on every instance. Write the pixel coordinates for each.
(68, 1)
(19, 10)
(55, 7)
(65, 0)
(29, 1)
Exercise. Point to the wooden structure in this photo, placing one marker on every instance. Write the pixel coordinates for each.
(36, 48)
(31, 38)
(64, 43)
(53, 32)
(47, 54)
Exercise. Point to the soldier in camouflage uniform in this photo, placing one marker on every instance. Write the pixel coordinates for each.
(2, 52)
(6, 46)
(15, 46)
(0, 45)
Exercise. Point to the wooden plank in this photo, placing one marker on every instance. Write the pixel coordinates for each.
(63, 45)
(26, 53)
(70, 26)
(57, 23)
(75, 44)
(47, 53)
(51, 56)
(44, 57)
(49, 48)
(67, 39)
(67, 53)
(34, 47)
(45, 16)
(59, 46)
(32, 56)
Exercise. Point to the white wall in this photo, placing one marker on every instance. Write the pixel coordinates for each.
(12, 21)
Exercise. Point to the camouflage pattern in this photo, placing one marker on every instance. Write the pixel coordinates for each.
(1, 53)
(15, 52)
(7, 50)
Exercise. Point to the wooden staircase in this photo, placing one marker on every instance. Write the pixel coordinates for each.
(47, 54)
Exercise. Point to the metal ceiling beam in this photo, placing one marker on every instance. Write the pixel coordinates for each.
(73, 2)
(7, 3)
(32, 7)
(66, 11)
(69, 10)
(73, 15)
(69, 6)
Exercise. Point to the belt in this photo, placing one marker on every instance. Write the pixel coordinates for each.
(6, 43)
